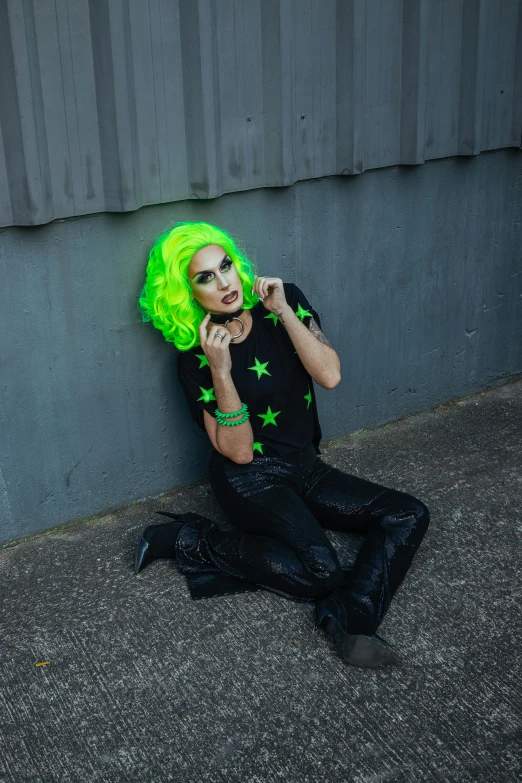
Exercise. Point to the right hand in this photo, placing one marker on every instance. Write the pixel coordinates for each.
(215, 348)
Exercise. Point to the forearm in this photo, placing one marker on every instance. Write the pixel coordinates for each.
(319, 359)
(234, 442)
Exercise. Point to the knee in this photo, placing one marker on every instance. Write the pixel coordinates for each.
(324, 573)
(416, 516)
(422, 515)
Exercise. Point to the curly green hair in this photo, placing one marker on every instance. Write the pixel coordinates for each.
(165, 298)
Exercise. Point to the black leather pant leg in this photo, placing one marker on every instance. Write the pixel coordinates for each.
(277, 543)
(393, 523)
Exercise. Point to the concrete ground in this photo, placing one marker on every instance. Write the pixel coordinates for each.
(140, 683)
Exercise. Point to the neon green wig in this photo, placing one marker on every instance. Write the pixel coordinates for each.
(166, 296)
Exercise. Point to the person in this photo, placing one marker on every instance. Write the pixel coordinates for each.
(250, 350)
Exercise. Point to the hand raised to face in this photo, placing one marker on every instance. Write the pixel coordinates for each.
(271, 292)
(216, 345)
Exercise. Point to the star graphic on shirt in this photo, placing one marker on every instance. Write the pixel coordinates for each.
(203, 360)
(257, 446)
(269, 417)
(260, 368)
(300, 313)
(308, 398)
(273, 316)
(206, 394)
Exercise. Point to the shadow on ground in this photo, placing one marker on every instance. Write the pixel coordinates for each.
(144, 684)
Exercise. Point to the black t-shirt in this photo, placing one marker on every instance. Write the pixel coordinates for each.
(269, 376)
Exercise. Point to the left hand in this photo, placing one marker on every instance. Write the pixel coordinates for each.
(271, 292)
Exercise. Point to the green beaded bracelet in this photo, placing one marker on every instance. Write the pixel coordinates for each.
(225, 423)
(220, 415)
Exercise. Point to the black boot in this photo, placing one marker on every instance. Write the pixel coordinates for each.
(355, 649)
(157, 541)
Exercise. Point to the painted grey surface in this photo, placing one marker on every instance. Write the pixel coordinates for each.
(416, 274)
(109, 106)
(145, 685)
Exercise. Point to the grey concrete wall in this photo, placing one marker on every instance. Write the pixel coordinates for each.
(416, 272)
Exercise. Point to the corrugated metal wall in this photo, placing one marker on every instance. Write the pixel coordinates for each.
(108, 106)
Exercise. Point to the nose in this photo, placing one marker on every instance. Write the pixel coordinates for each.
(222, 281)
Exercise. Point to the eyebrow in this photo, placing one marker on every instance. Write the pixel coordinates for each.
(204, 271)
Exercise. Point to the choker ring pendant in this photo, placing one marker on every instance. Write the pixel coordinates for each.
(242, 328)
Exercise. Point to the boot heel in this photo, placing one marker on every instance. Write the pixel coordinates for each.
(321, 616)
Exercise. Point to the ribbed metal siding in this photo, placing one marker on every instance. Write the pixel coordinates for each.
(108, 106)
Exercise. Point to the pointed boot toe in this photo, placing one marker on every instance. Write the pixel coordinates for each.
(367, 651)
(143, 557)
(355, 649)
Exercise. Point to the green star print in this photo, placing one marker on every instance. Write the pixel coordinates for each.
(257, 446)
(260, 368)
(269, 417)
(308, 398)
(203, 360)
(273, 316)
(206, 394)
(300, 313)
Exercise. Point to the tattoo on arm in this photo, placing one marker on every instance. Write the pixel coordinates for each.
(314, 328)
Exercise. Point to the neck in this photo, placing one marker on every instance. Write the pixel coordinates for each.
(221, 318)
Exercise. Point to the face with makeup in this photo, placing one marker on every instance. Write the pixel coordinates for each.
(215, 282)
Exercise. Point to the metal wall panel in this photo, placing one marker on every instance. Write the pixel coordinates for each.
(108, 106)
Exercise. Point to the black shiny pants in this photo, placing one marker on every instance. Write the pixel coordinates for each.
(279, 508)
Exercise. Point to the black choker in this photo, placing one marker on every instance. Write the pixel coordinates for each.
(222, 318)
